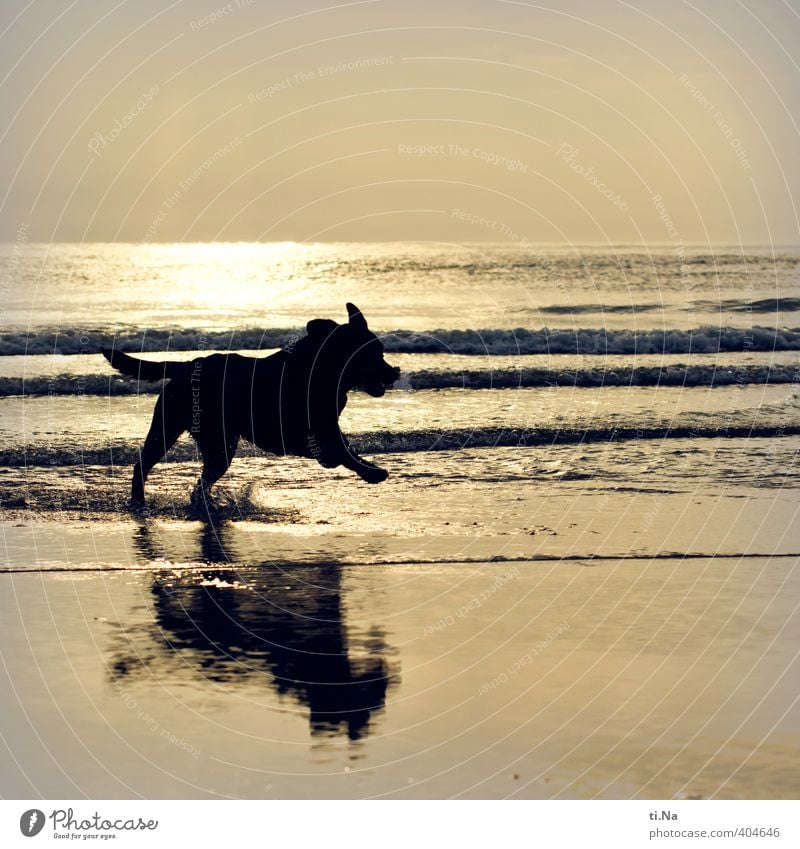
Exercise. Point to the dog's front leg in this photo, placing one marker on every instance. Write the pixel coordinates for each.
(334, 450)
(367, 471)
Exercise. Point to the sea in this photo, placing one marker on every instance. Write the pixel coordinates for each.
(535, 360)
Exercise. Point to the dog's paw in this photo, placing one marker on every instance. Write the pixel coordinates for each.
(373, 474)
(202, 503)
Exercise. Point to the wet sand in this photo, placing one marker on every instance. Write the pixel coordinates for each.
(184, 664)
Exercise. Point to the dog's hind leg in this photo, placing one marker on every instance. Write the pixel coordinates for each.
(217, 457)
(164, 432)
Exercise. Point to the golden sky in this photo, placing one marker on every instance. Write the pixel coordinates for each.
(577, 121)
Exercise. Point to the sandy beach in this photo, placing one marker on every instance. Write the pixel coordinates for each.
(576, 656)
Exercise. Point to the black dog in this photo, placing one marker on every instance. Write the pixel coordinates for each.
(288, 403)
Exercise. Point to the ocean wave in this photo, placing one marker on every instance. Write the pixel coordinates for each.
(600, 341)
(125, 453)
(527, 378)
(582, 309)
(735, 305)
(762, 305)
(76, 384)
(668, 375)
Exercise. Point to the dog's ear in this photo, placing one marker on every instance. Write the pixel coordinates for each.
(321, 328)
(356, 317)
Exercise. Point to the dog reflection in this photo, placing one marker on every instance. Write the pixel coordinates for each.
(283, 624)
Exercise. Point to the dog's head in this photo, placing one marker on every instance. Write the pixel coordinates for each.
(353, 351)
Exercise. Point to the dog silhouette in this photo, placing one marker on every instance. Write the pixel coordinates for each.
(287, 404)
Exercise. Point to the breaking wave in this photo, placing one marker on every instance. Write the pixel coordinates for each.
(761, 305)
(388, 442)
(701, 340)
(667, 375)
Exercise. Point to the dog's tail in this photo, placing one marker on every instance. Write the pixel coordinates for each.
(144, 369)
